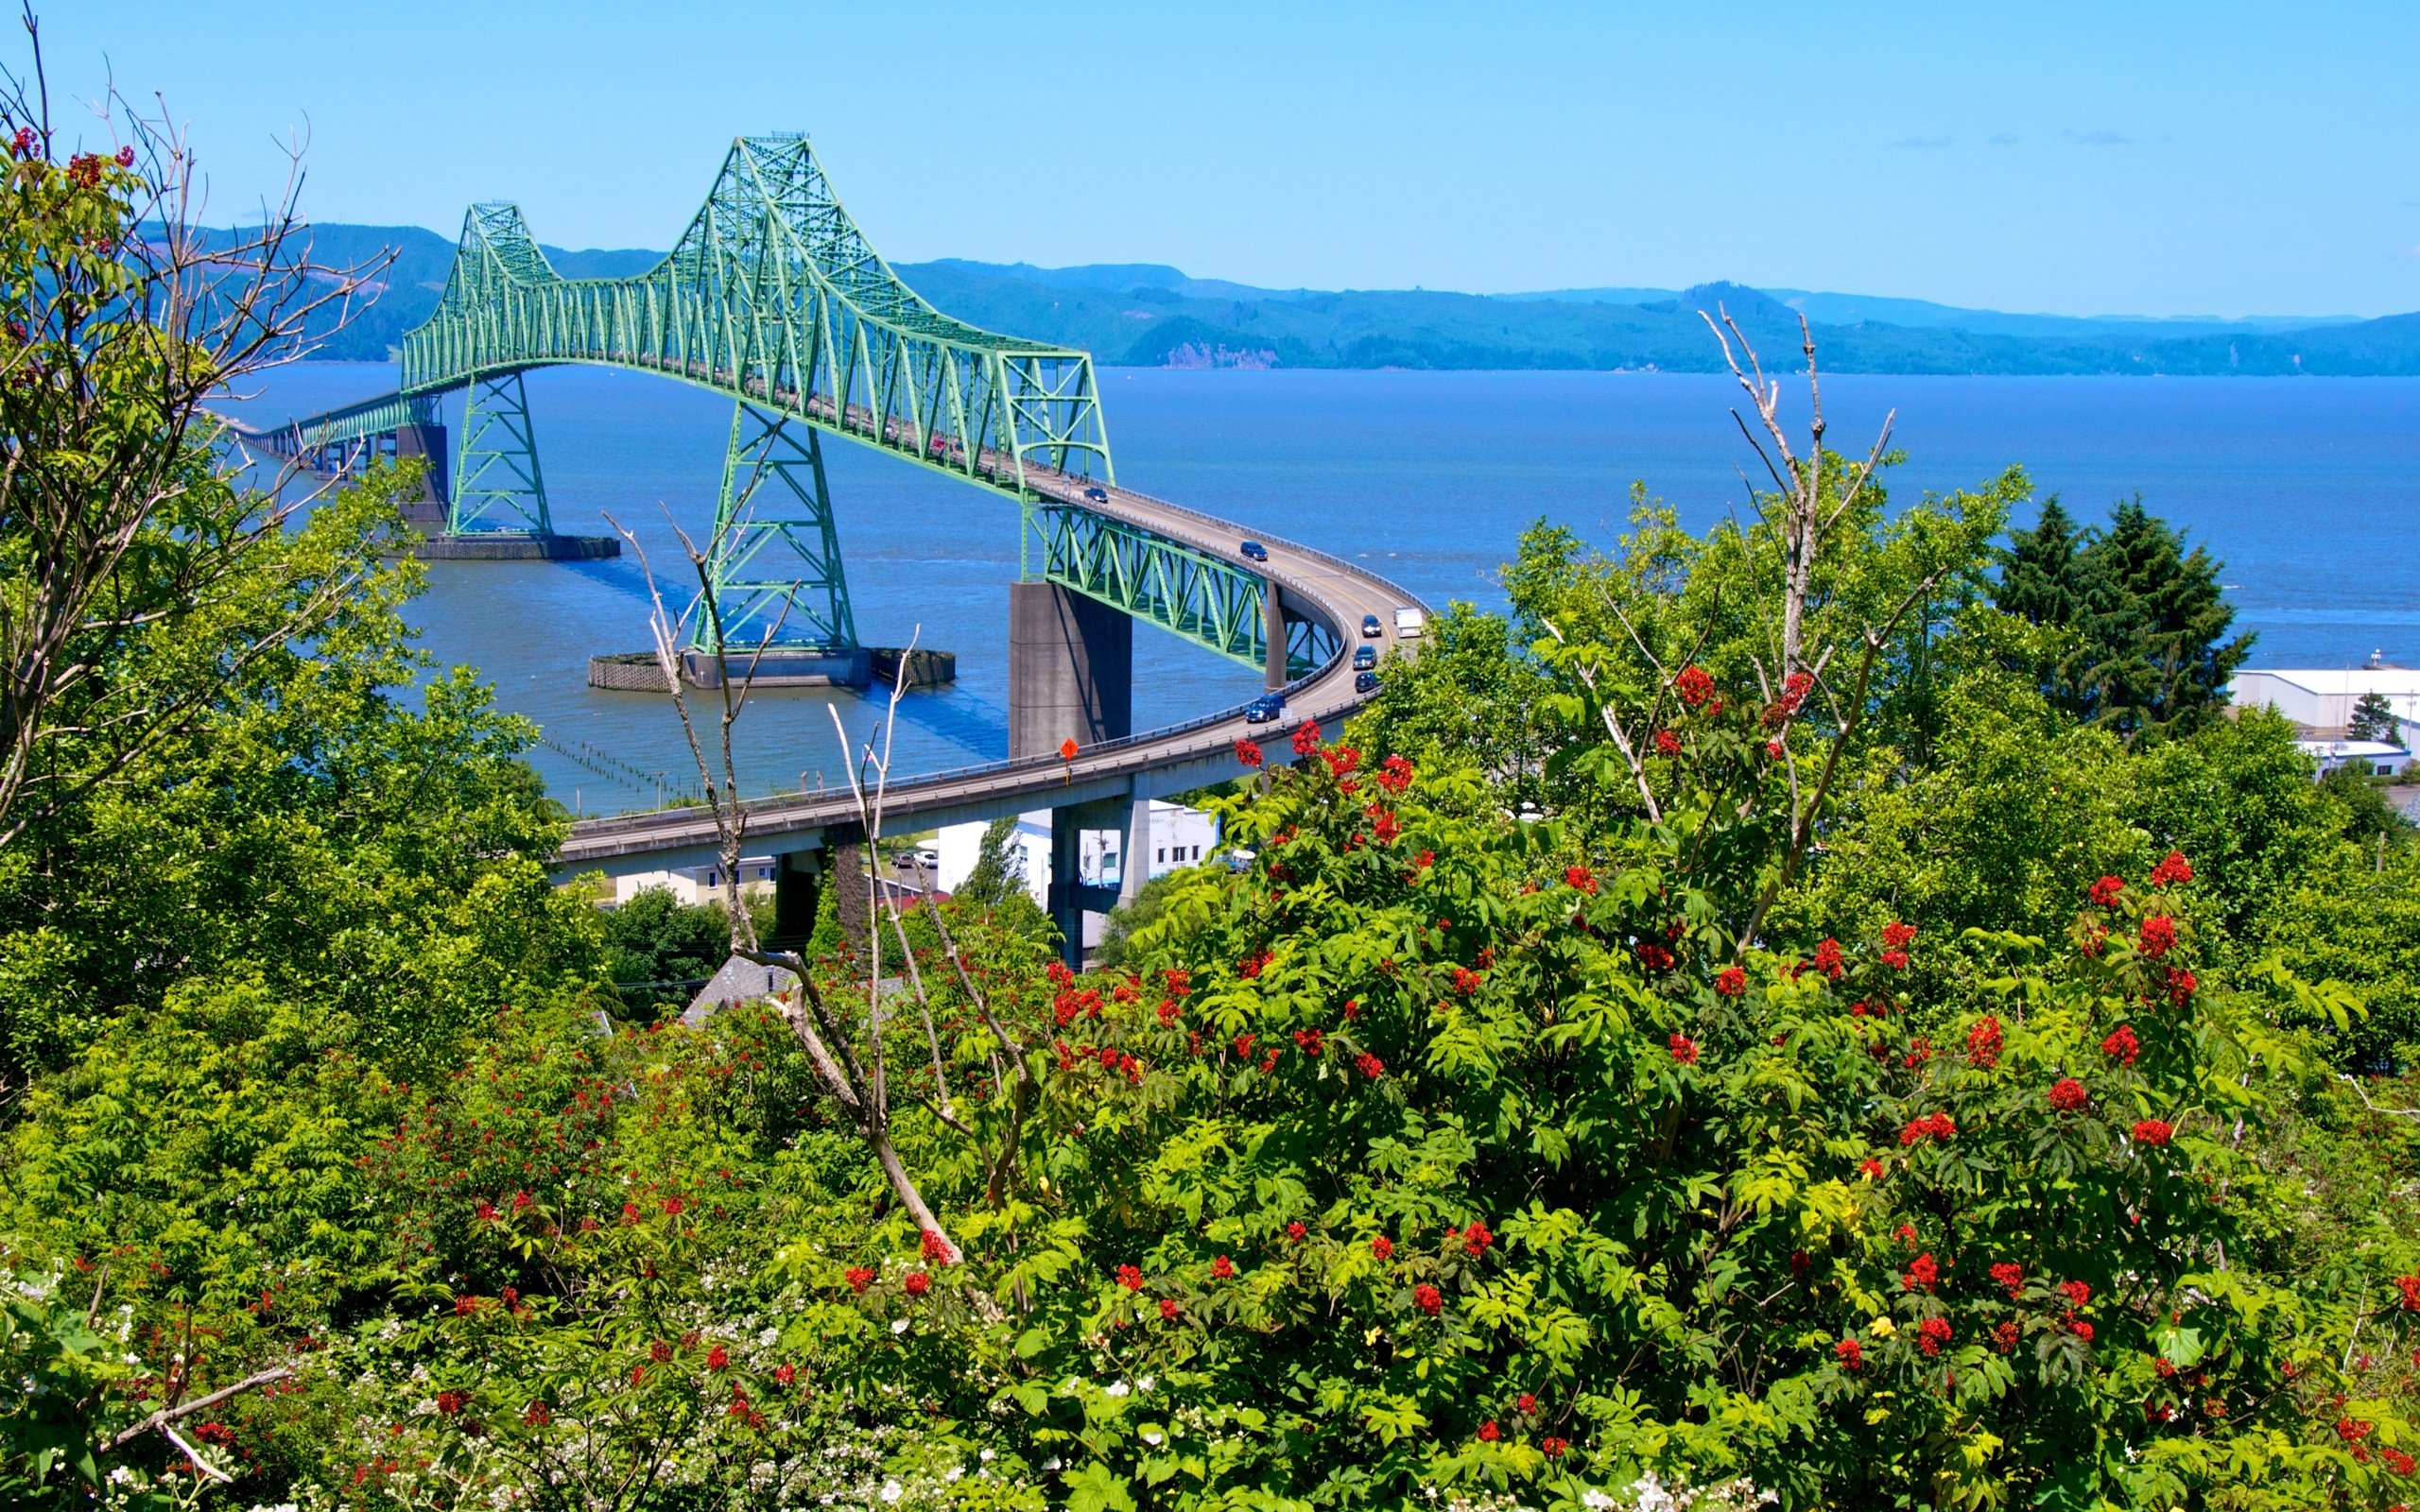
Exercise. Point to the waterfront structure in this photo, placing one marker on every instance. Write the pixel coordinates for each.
(2321, 700)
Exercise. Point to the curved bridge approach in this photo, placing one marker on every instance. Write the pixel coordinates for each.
(773, 298)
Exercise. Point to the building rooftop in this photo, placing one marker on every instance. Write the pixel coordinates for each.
(2392, 681)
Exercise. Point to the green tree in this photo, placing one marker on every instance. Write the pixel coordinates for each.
(659, 951)
(2160, 658)
(1123, 920)
(2373, 719)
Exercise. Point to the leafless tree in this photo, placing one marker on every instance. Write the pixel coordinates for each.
(1812, 492)
(125, 320)
(850, 1044)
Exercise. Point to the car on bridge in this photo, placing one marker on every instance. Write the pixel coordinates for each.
(1369, 630)
(1269, 707)
(1365, 656)
(1254, 550)
(1365, 682)
(1099, 495)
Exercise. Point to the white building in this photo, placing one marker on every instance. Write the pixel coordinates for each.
(960, 845)
(1180, 837)
(699, 885)
(2322, 700)
(2375, 757)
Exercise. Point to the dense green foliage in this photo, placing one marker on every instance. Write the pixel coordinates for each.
(1881, 1079)
(2136, 625)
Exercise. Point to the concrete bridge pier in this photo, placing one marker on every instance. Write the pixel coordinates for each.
(1070, 896)
(1071, 670)
(427, 443)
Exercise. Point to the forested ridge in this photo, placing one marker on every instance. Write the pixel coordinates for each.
(1831, 1012)
(1147, 315)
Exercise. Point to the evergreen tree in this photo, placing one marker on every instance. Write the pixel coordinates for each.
(2041, 579)
(2156, 621)
(2042, 583)
(2373, 719)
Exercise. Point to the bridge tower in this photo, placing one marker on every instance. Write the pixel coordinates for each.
(775, 579)
(496, 476)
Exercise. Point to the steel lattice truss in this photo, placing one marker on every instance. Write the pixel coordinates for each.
(338, 441)
(772, 296)
(1150, 577)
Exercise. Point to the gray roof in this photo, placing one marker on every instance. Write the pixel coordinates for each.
(740, 981)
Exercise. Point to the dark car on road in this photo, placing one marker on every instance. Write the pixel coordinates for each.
(1268, 707)
(1369, 627)
(1364, 657)
(1365, 682)
(1254, 550)
(1098, 495)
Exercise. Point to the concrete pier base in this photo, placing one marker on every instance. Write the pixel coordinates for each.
(501, 548)
(1071, 670)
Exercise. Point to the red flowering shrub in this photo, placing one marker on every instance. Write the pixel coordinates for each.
(2122, 1045)
(1694, 685)
(2172, 868)
(1427, 1298)
(2105, 892)
(1382, 1247)
(1683, 1049)
(1730, 982)
(917, 1283)
(2154, 1131)
(1983, 1043)
(2157, 937)
(1667, 742)
(2069, 1094)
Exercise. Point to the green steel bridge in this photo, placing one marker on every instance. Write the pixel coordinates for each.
(773, 298)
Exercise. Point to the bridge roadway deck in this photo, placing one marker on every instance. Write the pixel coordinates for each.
(1149, 764)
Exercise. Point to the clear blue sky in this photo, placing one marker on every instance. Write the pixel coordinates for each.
(2080, 159)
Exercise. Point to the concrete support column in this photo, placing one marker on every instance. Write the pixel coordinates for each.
(428, 443)
(845, 870)
(1065, 892)
(797, 890)
(1070, 898)
(1273, 614)
(1071, 670)
(1138, 850)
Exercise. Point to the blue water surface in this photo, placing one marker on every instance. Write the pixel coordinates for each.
(2308, 488)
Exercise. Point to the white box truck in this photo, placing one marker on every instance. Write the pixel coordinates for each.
(1409, 624)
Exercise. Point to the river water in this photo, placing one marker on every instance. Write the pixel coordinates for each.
(2308, 488)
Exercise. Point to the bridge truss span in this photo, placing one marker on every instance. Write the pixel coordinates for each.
(773, 295)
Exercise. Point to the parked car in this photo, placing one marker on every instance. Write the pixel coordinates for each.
(1364, 657)
(1268, 707)
(1409, 622)
(1098, 495)
(1369, 627)
(1254, 550)
(1365, 682)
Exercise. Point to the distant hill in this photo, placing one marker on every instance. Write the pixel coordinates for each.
(1150, 315)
